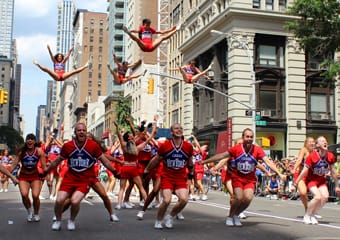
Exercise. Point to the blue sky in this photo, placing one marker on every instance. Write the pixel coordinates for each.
(35, 26)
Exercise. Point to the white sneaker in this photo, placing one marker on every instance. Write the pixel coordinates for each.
(54, 218)
(125, 29)
(168, 221)
(191, 197)
(56, 226)
(178, 27)
(307, 220)
(41, 197)
(141, 203)
(313, 220)
(180, 216)
(317, 216)
(30, 216)
(140, 215)
(242, 216)
(36, 218)
(114, 218)
(1, 190)
(35, 61)
(126, 205)
(118, 207)
(6, 190)
(237, 221)
(155, 204)
(71, 226)
(204, 197)
(229, 221)
(158, 225)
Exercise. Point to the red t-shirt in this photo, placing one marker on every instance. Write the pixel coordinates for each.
(244, 164)
(175, 160)
(318, 166)
(146, 34)
(81, 161)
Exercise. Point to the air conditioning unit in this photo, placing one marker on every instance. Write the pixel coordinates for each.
(266, 113)
(324, 116)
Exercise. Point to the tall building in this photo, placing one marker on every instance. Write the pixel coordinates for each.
(137, 90)
(90, 44)
(116, 38)
(257, 65)
(40, 123)
(62, 91)
(6, 27)
(10, 69)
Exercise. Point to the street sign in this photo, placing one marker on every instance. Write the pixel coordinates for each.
(261, 123)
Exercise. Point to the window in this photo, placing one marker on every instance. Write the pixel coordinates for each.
(322, 107)
(267, 55)
(175, 117)
(269, 4)
(256, 3)
(282, 5)
(175, 93)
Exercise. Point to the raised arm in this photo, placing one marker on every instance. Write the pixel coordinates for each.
(142, 145)
(165, 31)
(135, 64)
(119, 135)
(51, 54)
(132, 127)
(115, 59)
(196, 142)
(68, 55)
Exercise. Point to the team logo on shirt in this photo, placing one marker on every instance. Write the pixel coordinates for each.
(30, 161)
(321, 168)
(80, 160)
(245, 163)
(176, 160)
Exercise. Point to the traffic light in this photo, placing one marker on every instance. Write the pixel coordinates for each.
(4, 97)
(151, 85)
(1, 96)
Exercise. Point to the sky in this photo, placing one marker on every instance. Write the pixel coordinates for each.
(35, 26)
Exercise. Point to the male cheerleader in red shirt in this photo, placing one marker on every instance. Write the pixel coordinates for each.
(81, 153)
(176, 155)
(243, 159)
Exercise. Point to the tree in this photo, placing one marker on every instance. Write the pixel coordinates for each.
(11, 137)
(123, 110)
(318, 31)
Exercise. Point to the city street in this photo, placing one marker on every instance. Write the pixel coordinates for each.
(267, 219)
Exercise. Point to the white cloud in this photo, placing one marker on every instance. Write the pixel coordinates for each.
(34, 8)
(35, 47)
(92, 5)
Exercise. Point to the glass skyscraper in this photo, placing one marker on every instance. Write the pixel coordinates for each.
(6, 27)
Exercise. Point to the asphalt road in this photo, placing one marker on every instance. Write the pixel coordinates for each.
(267, 219)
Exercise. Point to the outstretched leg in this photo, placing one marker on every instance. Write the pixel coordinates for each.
(47, 70)
(133, 76)
(199, 75)
(78, 70)
(159, 40)
(134, 38)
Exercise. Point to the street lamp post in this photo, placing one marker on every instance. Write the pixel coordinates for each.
(245, 46)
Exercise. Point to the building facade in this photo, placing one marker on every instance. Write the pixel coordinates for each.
(40, 123)
(62, 91)
(6, 27)
(257, 66)
(145, 104)
(90, 45)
